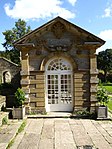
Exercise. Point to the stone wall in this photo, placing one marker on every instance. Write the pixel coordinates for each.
(2, 102)
(36, 55)
(12, 69)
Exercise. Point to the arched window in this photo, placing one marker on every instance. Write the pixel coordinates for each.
(58, 64)
(6, 77)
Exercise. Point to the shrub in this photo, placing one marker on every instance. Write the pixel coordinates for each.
(102, 96)
(5, 86)
(85, 113)
(4, 120)
(19, 97)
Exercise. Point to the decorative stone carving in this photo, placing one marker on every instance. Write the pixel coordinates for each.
(59, 44)
(32, 52)
(38, 52)
(39, 43)
(58, 29)
(79, 52)
(35, 52)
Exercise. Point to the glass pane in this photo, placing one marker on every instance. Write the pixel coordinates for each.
(59, 64)
(66, 97)
(53, 95)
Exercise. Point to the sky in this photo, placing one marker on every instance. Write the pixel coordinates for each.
(94, 16)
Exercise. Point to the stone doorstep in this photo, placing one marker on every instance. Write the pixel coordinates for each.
(64, 115)
(52, 115)
(56, 115)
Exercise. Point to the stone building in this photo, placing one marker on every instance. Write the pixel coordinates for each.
(9, 72)
(59, 67)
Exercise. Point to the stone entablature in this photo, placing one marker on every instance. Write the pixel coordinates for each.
(62, 40)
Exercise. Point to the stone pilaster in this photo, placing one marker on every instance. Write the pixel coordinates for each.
(25, 73)
(93, 80)
(81, 90)
(37, 91)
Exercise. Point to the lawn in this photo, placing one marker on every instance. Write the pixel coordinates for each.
(108, 87)
(110, 104)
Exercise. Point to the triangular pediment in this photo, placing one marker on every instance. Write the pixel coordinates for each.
(60, 28)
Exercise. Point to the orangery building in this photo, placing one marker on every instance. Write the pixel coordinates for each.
(59, 71)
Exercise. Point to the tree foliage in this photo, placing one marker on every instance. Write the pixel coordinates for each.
(10, 37)
(104, 61)
(102, 96)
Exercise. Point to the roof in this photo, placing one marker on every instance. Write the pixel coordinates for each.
(3, 58)
(73, 26)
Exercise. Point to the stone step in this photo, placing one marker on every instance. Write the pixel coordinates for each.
(52, 115)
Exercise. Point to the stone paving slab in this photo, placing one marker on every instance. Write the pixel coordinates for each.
(8, 132)
(65, 133)
(96, 135)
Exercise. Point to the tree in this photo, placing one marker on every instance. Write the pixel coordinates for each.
(104, 61)
(11, 36)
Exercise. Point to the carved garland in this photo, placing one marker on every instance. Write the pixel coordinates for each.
(57, 44)
(58, 29)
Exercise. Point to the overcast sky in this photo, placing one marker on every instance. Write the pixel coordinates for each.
(94, 16)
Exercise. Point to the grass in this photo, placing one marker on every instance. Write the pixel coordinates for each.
(21, 128)
(108, 87)
(109, 104)
(10, 144)
(5, 121)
